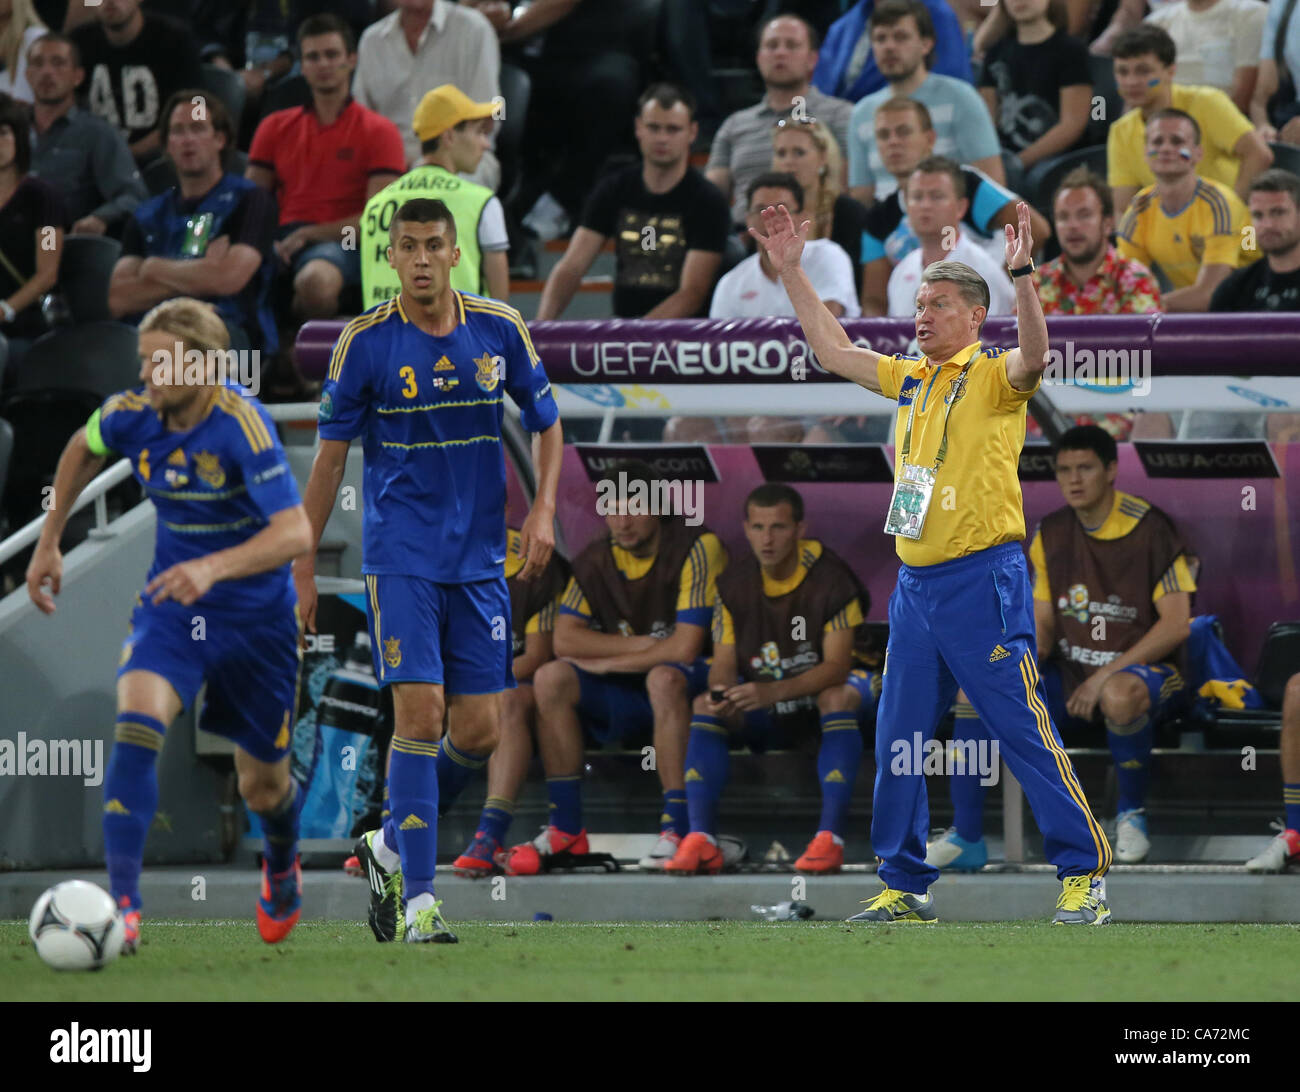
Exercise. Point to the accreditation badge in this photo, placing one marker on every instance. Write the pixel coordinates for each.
(911, 501)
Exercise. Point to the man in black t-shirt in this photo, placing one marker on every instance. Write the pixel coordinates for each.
(668, 222)
(1273, 282)
(210, 237)
(134, 62)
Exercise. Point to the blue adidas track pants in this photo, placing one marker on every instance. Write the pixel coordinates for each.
(970, 623)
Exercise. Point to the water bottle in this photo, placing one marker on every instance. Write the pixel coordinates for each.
(784, 911)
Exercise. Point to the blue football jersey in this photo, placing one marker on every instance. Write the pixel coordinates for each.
(429, 411)
(214, 486)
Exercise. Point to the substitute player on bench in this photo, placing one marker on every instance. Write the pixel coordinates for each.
(784, 626)
(421, 379)
(229, 522)
(1113, 584)
(961, 613)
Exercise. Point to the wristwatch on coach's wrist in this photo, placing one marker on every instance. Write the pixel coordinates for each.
(7, 311)
(1023, 270)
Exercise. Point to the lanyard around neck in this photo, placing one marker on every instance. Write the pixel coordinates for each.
(958, 386)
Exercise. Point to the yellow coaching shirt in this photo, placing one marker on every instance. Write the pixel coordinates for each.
(977, 501)
(1207, 231)
(1222, 125)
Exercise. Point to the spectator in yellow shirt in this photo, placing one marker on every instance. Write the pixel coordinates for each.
(1144, 71)
(1187, 228)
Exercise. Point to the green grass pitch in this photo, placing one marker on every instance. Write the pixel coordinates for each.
(717, 961)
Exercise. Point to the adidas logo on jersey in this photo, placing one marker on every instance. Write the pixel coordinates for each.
(444, 365)
(998, 653)
(414, 822)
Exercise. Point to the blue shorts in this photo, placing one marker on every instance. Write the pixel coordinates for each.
(250, 663)
(614, 706)
(454, 635)
(766, 730)
(1165, 687)
(347, 262)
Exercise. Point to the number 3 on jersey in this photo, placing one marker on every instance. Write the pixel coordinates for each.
(410, 390)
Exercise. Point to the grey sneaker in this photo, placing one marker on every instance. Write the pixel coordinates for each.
(1082, 902)
(898, 906)
(385, 915)
(430, 927)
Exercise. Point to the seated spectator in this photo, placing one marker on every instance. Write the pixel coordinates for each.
(1090, 276)
(454, 133)
(323, 163)
(1144, 71)
(902, 39)
(807, 150)
(1273, 282)
(1217, 43)
(753, 289)
(1186, 228)
(633, 629)
(423, 44)
(1094, 21)
(583, 63)
(1273, 107)
(80, 155)
(32, 223)
(1284, 849)
(936, 205)
(668, 222)
(1105, 555)
(742, 148)
(534, 606)
(773, 690)
(135, 60)
(20, 26)
(847, 69)
(208, 237)
(1037, 84)
(905, 136)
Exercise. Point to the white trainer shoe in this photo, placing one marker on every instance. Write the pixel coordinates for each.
(1285, 847)
(664, 851)
(1131, 842)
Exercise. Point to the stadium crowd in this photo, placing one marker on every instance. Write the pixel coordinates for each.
(253, 154)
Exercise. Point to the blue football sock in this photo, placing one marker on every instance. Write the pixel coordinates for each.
(966, 788)
(456, 769)
(708, 763)
(1291, 800)
(413, 785)
(674, 814)
(130, 800)
(838, 760)
(280, 831)
(496, 817)
(565, 794)
(1130, 745)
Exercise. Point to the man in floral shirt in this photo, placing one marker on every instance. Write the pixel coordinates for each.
(1091, 277)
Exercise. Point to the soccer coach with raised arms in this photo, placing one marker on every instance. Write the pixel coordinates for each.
(962, 611)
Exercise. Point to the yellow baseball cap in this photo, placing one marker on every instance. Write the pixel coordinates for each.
(445, 107)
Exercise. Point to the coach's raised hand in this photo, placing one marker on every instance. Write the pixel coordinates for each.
(782, 241)
(1020, 244)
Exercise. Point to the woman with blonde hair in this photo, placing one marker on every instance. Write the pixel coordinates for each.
(20, 26)
(808, 150)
